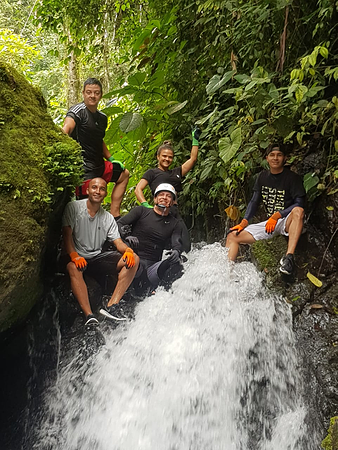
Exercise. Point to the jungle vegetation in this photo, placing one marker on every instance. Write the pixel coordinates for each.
(246, 71)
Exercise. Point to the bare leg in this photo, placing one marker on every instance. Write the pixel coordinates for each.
(233, 242)
(294, 226)
(118, 193)
(125, 278)
(79, 288)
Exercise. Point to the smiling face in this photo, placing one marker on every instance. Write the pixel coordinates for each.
(97, 190)
(92, 95)
(276, 160)
(165, 158)
(164, 198)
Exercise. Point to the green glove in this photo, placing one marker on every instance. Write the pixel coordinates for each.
(146, 205)
(114, 161)
(196, 133)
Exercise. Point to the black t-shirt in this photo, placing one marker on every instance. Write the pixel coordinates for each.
(157, 176)
(152, 231)
(89, 133)
(277, 191)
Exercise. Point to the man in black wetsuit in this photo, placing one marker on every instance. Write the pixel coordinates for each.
(151, 229)
(283, 195)
(87, 125)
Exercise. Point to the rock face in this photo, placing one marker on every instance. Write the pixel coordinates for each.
(315, 309)
(39, 167)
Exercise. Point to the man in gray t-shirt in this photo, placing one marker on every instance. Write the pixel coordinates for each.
(86, 226)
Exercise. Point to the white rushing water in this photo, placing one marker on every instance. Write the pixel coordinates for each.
(209, 365)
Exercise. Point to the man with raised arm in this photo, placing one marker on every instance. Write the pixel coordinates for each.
(151, 230)
(86, 226)
(87, 125)
(283, 196)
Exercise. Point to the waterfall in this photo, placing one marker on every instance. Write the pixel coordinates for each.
(208, 365)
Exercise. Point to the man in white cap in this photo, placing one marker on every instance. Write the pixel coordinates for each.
(150, 232)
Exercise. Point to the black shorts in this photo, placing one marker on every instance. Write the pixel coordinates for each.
(110, 174)
(101, 265)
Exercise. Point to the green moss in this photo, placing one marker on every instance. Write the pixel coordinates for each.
(267, 253)
(38, 162)
(331, 440)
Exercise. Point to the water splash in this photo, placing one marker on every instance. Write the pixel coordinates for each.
(209, 365)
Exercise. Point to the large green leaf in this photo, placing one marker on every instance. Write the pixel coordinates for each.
(130, 121)
(113, 134)
(175, 108)
(137, 79)
(228, 146)
(217, 82)
(110, 110)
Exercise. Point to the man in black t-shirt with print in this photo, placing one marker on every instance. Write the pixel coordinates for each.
(87, 125)
(283, 195)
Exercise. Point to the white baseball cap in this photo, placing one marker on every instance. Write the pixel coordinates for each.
(165, 187)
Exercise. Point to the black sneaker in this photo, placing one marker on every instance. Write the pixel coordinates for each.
(113, 312)
(91, 321)
(287, 264)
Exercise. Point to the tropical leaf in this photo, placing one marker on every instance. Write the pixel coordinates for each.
(175, 108)
(228, 146)
(137, 79)
(232, 212)
(130, 121)
(217, 82)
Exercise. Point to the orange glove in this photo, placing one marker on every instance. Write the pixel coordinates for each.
(128, 257)
(240, 227)
(78, 260)
(272, 222)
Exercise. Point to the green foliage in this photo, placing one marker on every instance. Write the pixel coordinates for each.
(14, 50)
(63, 164)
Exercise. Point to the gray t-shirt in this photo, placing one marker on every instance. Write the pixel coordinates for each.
(89, 233)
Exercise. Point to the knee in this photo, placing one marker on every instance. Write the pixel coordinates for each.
(231, 238)
(124, 175)
(73, 271)
(298, 213)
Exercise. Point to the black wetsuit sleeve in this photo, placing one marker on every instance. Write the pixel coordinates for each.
(176, 238)
(299, 201)
(253, 205)
(129, 219)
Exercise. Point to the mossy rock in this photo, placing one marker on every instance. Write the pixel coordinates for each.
(39, 164)
(331, 440)
(266, 255)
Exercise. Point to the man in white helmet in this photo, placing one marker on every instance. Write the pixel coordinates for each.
(148, 231)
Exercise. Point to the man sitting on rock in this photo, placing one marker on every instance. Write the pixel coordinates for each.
(86, 227)
(151, 230)
(283, 195)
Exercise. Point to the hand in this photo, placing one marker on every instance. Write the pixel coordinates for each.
(78, 260)
(196, 133)
(132, 241)
(272, 222)
(146, 205)
(114, 161)
(240, 227)
(128, 258)
(174, 256)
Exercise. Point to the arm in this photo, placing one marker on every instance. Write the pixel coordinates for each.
(188, 165)
(105, 152)
(141, 185)
(252, 206)
(69, 125)
(67, 234)
(299, 201)
(78, 260)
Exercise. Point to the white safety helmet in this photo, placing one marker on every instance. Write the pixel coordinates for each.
(165, 187)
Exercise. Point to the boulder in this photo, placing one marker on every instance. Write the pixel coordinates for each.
(39, 168)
